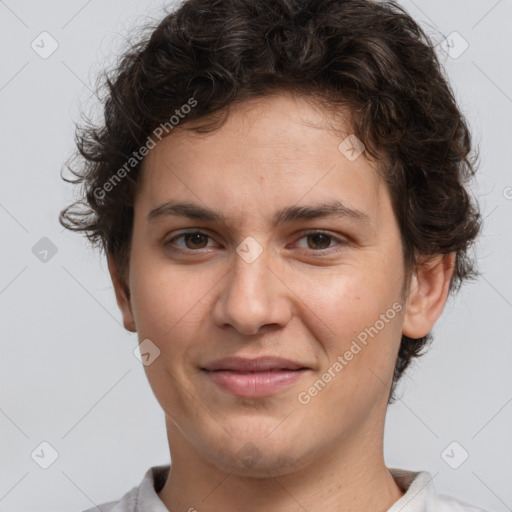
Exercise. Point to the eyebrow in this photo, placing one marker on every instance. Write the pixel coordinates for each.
(288, 214)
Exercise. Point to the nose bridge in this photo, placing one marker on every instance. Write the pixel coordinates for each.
(251, 266)
(251, 297)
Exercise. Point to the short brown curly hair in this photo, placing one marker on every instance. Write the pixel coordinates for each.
(369, 56)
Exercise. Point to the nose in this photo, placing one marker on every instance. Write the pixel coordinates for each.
(253, 296)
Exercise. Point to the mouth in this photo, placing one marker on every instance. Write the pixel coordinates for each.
(254, 378)
(259, 364)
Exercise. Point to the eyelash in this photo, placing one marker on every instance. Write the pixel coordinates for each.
(170, 246)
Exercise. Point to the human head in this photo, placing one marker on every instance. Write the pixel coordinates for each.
(369, 58)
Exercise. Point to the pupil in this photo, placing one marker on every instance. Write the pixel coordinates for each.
(320, 235)
(196, 237)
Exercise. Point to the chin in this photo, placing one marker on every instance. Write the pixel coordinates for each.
(258, 462)
(260, 455)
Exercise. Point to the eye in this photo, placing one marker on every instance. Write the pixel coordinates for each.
(193, 241)
(317, 241)
(320, 240)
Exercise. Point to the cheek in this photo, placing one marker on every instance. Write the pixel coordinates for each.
(172, 304)
(355, 313)
(347, 300)
(360, 343)
(159, 297)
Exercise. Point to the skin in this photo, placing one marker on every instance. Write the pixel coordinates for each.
(290, 302)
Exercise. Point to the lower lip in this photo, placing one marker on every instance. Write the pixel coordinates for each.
(254, 385)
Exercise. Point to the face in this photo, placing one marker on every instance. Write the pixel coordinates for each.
(262, 277)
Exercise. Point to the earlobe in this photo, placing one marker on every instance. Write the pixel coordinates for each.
(427, 295)
(122, 299)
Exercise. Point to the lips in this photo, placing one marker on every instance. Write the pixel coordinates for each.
(260, 364)
(254, 378)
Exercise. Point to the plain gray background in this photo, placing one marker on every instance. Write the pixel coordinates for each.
(68, 373)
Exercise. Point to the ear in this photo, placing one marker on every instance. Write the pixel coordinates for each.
(428, 293)
(121, 296)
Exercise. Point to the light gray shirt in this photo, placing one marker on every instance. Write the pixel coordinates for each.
(420, 495)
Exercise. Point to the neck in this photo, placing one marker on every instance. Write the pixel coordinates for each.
(347, 477)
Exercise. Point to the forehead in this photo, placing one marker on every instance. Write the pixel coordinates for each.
(269, 153)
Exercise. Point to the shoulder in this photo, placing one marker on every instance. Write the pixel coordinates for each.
(421, 496)
(105, 507)
(126, 504)
(140, 498)
(442, 503)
